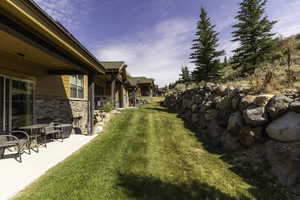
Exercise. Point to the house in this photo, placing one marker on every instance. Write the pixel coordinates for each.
(44, 71)
(132, 88)
(112, 87)
(146, 86)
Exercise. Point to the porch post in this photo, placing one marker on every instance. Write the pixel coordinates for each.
(122, 95)
(113, 91)
(134, 95)
(91, 97)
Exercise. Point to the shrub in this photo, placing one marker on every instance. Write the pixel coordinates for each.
(108, 107)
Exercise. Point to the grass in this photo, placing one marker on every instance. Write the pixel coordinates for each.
(144, 154)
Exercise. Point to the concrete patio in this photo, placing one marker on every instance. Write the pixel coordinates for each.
(16, 176)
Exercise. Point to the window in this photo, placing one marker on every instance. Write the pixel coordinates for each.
(76, 86)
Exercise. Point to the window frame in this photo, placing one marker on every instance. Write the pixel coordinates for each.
(77, 87)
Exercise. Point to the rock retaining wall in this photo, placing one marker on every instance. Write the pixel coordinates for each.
(234, 119)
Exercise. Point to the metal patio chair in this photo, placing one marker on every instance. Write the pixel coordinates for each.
(50, 130)
(9, 140)
(60, 129)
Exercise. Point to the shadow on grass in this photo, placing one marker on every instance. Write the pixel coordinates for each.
(152, 188)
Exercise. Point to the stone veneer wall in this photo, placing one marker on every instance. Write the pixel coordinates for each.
(236, 120)
(63, 111)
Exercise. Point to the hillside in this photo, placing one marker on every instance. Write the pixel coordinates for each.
(270, 77)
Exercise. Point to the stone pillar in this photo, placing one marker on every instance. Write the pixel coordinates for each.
(91, 97)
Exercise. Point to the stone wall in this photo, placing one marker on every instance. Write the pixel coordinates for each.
(63, 111)
(234, 119)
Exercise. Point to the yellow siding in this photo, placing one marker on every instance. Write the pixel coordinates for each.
(51, 86)
(66, 82)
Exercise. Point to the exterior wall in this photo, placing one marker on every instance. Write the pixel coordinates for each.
(52, 92)
(57, 86)
(146, 91)
(63, 111)
(53, 102)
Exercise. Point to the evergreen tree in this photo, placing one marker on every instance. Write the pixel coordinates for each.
(185, 75)
(253, 32)
(225, 61)
(205, 55)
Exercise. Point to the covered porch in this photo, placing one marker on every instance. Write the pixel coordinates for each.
(45, 73)
(111, 88)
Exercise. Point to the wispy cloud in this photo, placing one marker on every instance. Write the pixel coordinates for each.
(67, 12)
(158, 52)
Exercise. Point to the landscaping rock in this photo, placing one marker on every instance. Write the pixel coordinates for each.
(247, 136)
(246, 102)
(278, 105)
(211, 114)
(255, 115)
(195, 108)
(235, 103)
(214, 130)
(187, 103)
(263, 100)
(195, 118)
(295, 106)
(235, 122)
(286, 128)
(221, 90)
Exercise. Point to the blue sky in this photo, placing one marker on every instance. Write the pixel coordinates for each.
(154, 36)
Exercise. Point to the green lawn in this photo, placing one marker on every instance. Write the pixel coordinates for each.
(143, 154)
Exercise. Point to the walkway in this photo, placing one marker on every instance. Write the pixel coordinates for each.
(15, 176)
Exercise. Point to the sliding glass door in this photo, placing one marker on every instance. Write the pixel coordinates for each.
(22, 103)
(16, 103)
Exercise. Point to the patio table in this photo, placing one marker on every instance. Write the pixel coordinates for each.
(65, 128)
(34, 132)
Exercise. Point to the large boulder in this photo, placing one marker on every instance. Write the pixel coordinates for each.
(246, 102)
(278, 105)
(284, 162)
(263, 100)
(255, 115)
(235, 122)
(286, 128)
(295, 106)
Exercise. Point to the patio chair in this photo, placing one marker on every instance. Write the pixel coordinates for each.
(50, 130)
(59, 134)
(9, 140)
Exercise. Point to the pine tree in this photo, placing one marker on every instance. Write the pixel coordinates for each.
(205, 55)
(225, 61)
(253, 32)
(185, 75)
